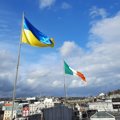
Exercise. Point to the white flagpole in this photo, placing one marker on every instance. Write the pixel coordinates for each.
(65, 90)
(17, 68)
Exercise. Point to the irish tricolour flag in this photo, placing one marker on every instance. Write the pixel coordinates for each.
(70, 71)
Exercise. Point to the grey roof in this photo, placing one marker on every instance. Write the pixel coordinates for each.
(102, 114)
(116, 114)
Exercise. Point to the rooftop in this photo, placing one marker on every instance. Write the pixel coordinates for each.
(102, 114)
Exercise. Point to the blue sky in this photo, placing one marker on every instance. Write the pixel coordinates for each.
(87, 36)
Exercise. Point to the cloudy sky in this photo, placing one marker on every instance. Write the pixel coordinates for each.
(87, 36)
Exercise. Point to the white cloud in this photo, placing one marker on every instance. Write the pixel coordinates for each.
(70, 48)
(7, 64)
(65, 6)
(46, 3)
(100, 64)
(107, 29)
(57, 83)
(67, 48)
(96, 12)
(76, 84)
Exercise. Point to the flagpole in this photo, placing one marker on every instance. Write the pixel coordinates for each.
(65, 90)
(17, 68)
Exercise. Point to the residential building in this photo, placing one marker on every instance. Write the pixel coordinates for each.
(106, 105)
(101, 106)
(7, 108)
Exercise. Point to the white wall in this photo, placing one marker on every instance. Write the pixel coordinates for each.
(101, 106)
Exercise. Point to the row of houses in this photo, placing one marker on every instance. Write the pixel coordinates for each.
(40, 109)
(105, 106)
(26, 107)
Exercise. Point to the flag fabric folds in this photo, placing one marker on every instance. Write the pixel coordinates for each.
(70, 71)
(34, 37)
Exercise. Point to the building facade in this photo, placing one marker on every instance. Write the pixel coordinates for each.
(7, 108)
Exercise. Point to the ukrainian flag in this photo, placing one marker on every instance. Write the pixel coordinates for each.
(34, 37)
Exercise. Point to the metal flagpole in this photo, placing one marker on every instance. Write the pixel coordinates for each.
(17, 68)
(65, 90)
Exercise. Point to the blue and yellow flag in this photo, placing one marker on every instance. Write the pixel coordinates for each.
(34, 37)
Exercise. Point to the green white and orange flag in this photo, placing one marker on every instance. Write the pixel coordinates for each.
(70, 71)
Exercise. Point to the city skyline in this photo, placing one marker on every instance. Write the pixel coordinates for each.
(86, 34)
